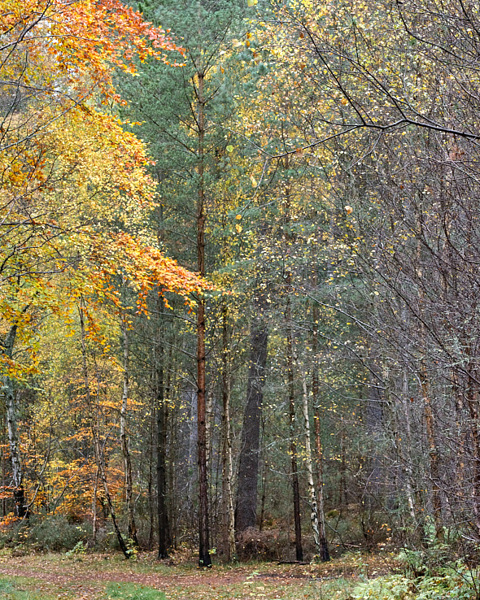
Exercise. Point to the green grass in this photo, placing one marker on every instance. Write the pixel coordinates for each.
(132, 591)
(12, 590)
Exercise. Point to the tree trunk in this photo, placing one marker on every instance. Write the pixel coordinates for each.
(99, 455)
(161, 412)
(309, 467)
(342, 493)
(12, 430)
(324, 552)
(204, 558)
(472, 404)
(132, 528)
(163, 533)
(293, 444)
(94, 509)
(247, 485)
(405, 447)
(433, 454)
(228, 512)
(151, 502)
(263, 497)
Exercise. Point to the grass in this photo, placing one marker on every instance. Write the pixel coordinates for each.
(12, 589)
(132, 591)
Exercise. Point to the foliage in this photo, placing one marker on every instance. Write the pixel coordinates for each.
(427, 576)
(393, 587)
(458, 583)
(71, 175)
(79, 549)
(53, 533)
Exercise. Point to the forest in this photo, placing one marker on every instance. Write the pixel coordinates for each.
(239, 281)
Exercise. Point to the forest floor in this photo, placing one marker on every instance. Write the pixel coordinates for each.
(101, 577)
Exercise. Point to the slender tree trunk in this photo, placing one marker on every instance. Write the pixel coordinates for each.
(4, 468)
(460, 475)
(161, 412)
(309, 467)
(163, 533)
(342, 495)
(324, 552)
(204, 533)
(288, 241)
(433, 453)
(263, 497)
(94, 509)
(99, 454)
(472, 404)
(151, 504)
(405, 448)
(127, 463)
(293, 443)
(12, 431)
(228, 513)
(174, 425)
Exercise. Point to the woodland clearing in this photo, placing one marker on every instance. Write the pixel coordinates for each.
(100, 577)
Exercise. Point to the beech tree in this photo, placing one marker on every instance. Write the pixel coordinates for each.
(51, 135)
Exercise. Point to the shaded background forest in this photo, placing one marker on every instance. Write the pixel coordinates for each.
(319, 166)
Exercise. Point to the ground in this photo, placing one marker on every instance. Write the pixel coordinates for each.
(99, 577)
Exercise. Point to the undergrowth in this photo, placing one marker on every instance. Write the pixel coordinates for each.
(427, 575)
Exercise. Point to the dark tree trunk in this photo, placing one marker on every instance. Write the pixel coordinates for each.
(12, 430)
(293, 444)
(151, 502)
(161, 412)
(204, 558)
(132, 527)
(162, 478)
(246, 504)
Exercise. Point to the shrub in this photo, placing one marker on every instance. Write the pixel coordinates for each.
(54, 533)
(51, 533)
(269, 544)
(450, 583)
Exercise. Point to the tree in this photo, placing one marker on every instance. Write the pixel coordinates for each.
(70, 173)
(187, 128)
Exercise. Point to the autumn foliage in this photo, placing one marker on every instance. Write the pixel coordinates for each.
(72, 177)
(73, 180)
